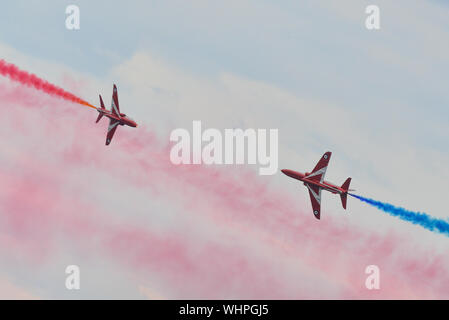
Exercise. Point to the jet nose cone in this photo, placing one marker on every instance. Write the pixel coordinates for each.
(284, 171)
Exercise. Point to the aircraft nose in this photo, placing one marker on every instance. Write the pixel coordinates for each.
(284, 171)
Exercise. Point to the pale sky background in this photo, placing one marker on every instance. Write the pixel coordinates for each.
(377, 99)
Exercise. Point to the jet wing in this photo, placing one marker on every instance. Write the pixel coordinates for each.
(113, 124)
(115, 108)
(315, 198)
(320, 169)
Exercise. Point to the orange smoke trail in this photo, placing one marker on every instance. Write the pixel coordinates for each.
(14, 73)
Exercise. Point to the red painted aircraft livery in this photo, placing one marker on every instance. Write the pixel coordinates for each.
(115, 117)
(314, 181)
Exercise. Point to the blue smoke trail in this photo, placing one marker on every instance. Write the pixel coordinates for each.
(422, 219)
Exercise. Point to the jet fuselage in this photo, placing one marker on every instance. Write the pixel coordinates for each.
(302, 177)
(123, 119)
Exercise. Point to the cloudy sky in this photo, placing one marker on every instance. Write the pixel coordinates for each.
(139, 227)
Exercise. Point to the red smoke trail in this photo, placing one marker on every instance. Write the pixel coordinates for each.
(14, 73)
(48, 214)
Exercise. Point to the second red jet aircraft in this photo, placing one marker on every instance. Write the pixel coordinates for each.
(115, 117)
(314, 181)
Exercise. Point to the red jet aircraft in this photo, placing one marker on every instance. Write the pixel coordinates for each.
(115, 117)
(314, 181)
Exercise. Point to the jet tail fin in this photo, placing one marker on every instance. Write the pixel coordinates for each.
(101, 102)
(102, 107)
(99, 117)
(344, 196)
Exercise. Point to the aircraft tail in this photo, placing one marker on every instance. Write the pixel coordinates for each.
(101, 102)
(102, 107)
(344, 196)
